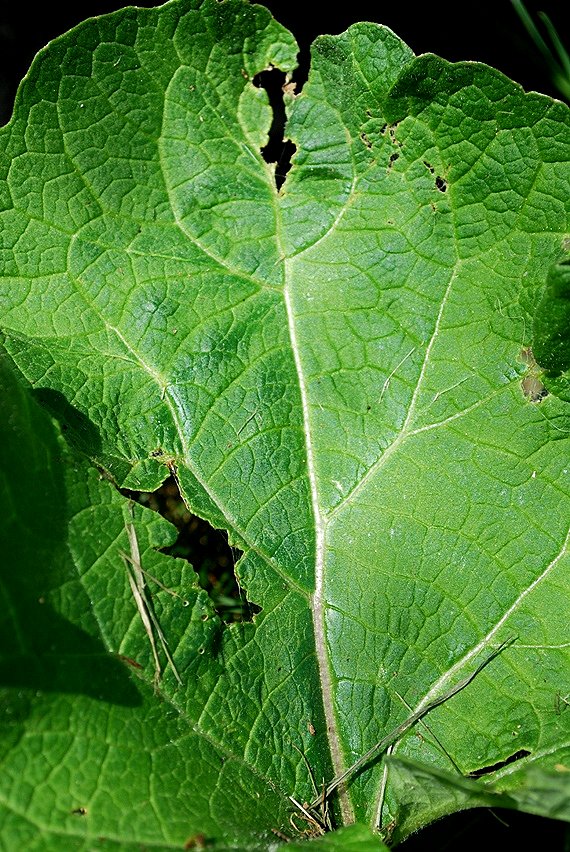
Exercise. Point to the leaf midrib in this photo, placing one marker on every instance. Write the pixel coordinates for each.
(186, 458)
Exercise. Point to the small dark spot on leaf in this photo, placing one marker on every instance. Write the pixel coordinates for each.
(129, 661)
(197, 842)
(441, 184)
(487, 770)
(392, 133)
(366, 140)
(392, 160)
(560, 703)
(79, 811)
(428, 166)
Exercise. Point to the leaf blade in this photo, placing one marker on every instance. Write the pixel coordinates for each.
(347, 430)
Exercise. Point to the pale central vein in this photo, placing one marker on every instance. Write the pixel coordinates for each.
(320, 530)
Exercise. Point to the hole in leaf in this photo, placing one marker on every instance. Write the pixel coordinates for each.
(392, 134)
(278, 149)
(205, 548)
(487, 770)
(441, 184)
(392, 160)
(531, 385)
(533, 389)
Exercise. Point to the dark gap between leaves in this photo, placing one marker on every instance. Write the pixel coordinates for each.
(205, 548)
(278, 149)
(487, 770)
(493, 830)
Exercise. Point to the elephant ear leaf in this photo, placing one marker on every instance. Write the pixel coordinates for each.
(338, 372)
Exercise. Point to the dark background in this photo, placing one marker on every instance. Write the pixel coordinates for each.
(489, 32)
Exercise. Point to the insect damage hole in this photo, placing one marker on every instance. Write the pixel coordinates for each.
(487, 770)
(206, 549)
(392, 160)
(531, 385)
(278, 149)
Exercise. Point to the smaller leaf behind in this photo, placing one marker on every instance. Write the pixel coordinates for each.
(425, 788)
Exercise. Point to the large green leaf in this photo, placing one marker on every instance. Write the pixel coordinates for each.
(89, 755)
(337, 373)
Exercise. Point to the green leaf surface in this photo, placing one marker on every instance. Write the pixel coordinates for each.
(93, 755)
(551, 329)
(336, 374)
